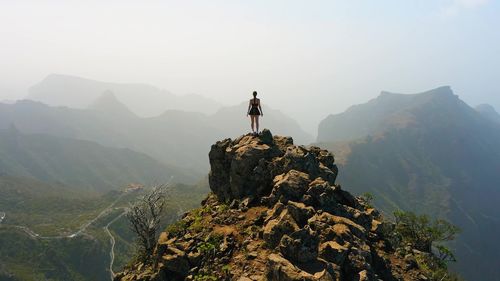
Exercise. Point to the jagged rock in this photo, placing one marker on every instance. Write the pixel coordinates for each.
(176, 264)
(194, 258)
(359, 259)
(276, 228)
(300, 212)
(281, 269)
(289, 186)
(239, 168)
(338, 232)
(381, 228)
(247, 166)
(333, 252)
(325, 220)
(276, 214)
(275, 211)
(300, 246)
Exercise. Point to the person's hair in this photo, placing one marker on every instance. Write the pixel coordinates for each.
(254, 93)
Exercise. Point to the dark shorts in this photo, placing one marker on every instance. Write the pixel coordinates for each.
(254, 111)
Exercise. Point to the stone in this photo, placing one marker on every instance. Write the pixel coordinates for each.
(326, 220)
(276, 228)
(194, 258)
(333, 252)
(300, 246)
(363, 275)
(300, 212)
(287, 220)
(266, 137)
(275, 211)
(289, 186)
(359, 259)
(252, 255)
(281, 269)
(176, 264)
(244, 204)
(247, 166)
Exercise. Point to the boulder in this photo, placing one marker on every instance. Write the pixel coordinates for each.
(325, 220)
(247, 166)
(281, 269)
(275, 213)
(289, 186)
(333, 252)
(300, 212)
(276, 228)
(239, 169)
(300, 246)
(176, 261)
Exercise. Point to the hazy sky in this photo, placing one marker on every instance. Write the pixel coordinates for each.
(307, 58)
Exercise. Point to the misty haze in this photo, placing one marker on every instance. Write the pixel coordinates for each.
(129, 148)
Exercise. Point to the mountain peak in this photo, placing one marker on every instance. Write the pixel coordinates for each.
(110, 104)
(439, 91)
(275, 214)
(388, 111)
(489, 112)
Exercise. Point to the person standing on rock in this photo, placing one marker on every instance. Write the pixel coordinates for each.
(254, 110)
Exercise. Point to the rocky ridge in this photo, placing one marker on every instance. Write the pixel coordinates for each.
(275, 213)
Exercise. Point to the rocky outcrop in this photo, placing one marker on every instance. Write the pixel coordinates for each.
(247, 166)
(275, 214)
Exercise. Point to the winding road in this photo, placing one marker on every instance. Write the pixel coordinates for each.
(112, 240)
(83, 227)
(80, 230)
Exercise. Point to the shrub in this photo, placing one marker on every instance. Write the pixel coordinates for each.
(367, 198)
(421, 232)
(210, 245)
(177, 228)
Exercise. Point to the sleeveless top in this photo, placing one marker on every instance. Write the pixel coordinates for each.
(255, 107)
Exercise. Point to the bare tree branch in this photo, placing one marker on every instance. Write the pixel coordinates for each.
(145, 218)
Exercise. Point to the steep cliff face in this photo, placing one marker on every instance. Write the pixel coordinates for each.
(275, 214)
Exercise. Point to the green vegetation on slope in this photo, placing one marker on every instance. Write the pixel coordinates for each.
(57, 212)
(443, 163)
(77, 163)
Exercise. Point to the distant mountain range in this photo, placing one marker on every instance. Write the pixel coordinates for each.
(431, 153)
(144, 100)
(80, 164)
(62, 164)
(428, 152)
(387, 111)
(231, 121)
(109, 122)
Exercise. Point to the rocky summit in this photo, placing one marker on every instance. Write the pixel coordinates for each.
(275, 213)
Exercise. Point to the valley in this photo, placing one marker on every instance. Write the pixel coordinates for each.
(71, 182)
(77, 232)
(104, 233)
(249, 140)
